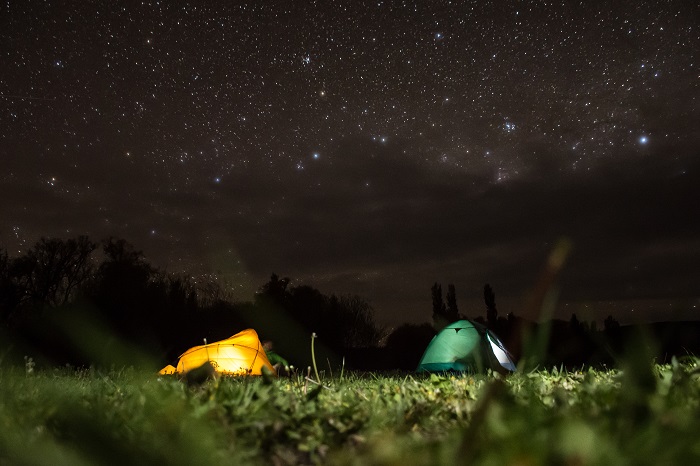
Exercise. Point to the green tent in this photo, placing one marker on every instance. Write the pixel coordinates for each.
(465, 346)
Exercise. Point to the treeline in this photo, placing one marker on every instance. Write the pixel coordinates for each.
(571, 344)
(79, 303)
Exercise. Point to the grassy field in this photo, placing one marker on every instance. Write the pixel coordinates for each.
(640, 414)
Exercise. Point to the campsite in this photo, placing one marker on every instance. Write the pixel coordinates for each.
(349, 232)
(143, 367)
(465, 402)
(125, 373)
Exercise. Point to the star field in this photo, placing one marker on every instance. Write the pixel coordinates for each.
(364, 147)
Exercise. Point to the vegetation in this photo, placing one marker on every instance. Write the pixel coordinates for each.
(443, 314)
(71, 302)
(57, 299)
(618, 395)
(640, 414)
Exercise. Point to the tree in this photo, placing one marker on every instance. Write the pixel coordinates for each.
(123, 277)
(490, 300)
(439, 308)
(610, 324)
(574, 323)
(10, 295)
(275, 289)
(357, 321)
(287, 314)
(452, 312)
(123, 290)
(444, 314)
(52, 272)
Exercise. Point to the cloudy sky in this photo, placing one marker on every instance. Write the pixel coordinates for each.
(371, 148)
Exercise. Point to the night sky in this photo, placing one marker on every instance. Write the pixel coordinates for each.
(371, 148)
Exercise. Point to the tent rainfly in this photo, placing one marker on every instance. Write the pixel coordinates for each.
(167, 370)
(465, 346)
(241, 354)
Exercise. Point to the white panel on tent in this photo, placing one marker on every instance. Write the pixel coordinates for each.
(501, 355)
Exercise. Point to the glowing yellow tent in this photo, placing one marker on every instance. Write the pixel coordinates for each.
(167, 370)
(241, 354)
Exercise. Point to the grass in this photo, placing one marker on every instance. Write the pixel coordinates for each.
(644, 414)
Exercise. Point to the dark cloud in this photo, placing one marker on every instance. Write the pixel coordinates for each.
(630, 226)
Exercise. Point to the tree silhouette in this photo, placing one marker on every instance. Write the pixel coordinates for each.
(51, 272)
(444, 314)
(452, 312)
(275, 290)
(127, 293)
(439, 308)
(357, 321)
(491, 311)
(574, 323)
(610, 324)
(289, 314)
(576, 326)
(124, 275)
(10, 293)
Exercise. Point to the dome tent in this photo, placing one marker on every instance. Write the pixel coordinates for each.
(241, 354)
(465, 346)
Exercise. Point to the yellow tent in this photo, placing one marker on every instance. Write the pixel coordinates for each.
(169, 369)
(241, 354)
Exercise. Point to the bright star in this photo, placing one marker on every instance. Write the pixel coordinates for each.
(643, 140)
